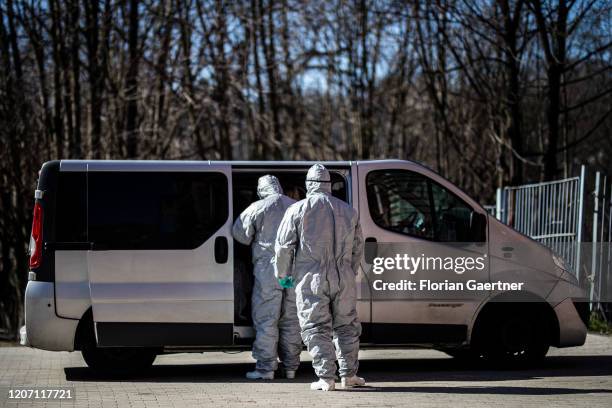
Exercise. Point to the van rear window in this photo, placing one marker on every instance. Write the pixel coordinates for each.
(71, 207)
(152, 210)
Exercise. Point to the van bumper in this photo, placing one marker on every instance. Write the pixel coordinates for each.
(43, 329)
(572, 328)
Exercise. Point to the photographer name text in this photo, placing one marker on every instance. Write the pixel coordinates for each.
(443, 286)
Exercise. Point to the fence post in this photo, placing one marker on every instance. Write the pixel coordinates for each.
(594, 243)
(498, 204)
(609, 257)
(601, 240)
(579, 221)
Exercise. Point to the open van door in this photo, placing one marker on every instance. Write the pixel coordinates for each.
(159, 269)
(364, 295)
(407, 210)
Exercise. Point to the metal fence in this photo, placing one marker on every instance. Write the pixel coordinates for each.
(549, 212)
(573, 217)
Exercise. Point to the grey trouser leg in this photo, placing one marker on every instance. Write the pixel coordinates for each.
(290, 342)
(266, 308)
(316, 325)
(347, 329)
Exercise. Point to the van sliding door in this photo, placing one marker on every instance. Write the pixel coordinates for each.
(159, 270)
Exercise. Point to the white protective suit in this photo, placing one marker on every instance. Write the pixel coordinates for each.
(273, 308)
(320, 244)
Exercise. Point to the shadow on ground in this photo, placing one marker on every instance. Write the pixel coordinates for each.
(495, 390)
(400, 370)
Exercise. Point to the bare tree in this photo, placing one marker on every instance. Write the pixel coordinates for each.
(487, 93)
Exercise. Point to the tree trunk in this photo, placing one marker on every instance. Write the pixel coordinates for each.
(76, 150)
(58, 123)
(131, 83)
(267, 42)
(92, 11)
(513, 91)
(260, 145)
(552, 117)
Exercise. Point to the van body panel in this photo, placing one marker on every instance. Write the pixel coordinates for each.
(155, 166)
(572, 331)
(74, 165)
(564, 290)
(44, 329)
(517, 258)
(126, 307)
(159, 335)
(71, 284)
(140, 285)
(418, 335)
(282, 164)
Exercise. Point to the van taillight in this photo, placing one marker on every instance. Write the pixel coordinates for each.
(36, 238)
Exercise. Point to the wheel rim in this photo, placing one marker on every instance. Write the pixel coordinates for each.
(516, 337)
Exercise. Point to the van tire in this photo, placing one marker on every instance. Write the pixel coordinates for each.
(461, 354)
(118, 360)
(110, 360)
(513, 335)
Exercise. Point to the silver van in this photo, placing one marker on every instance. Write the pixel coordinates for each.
(131, 259)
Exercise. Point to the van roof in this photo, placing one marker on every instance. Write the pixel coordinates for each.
(243, 162)
(239, 163)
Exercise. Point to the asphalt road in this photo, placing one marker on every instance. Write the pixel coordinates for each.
(579, 376)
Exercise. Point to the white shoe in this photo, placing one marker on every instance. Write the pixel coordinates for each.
(323, 385)
(260, 375)
(354, 381)
(290, 374)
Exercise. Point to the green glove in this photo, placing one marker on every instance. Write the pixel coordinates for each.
(286, 282)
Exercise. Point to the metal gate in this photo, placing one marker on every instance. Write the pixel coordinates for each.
(549, 212)
(558, 214)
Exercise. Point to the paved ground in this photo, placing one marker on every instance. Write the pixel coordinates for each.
(418, 378)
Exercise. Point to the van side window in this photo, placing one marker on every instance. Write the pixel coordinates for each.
(153, 210)
(452, 216)
(399, 201)
(71, 207)
(412, 204)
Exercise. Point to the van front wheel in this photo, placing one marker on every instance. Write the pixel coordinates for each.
(118, 360)
(514, 336)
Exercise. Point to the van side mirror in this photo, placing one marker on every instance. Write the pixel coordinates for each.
(478, 227)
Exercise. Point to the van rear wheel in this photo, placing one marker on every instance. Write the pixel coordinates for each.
(118, 360)
(110, 360)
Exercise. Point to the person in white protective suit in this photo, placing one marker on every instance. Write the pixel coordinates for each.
(277, 330)
(319, 246)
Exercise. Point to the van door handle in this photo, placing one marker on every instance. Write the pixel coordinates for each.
(370, 250)
(221, 250)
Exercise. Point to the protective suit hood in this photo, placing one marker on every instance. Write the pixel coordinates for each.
(318, 180)
(268, 185)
